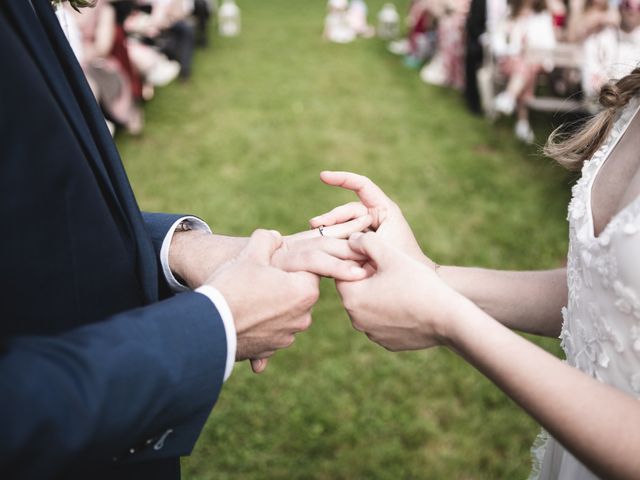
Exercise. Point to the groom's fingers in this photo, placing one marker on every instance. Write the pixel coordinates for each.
(261, 246)
(259, 365)
(340, 214)
(368, 192)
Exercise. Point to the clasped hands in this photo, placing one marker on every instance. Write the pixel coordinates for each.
(388, 286)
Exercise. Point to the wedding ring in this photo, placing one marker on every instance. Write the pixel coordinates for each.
(321, 230)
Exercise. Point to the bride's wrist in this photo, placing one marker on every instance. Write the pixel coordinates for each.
(425, 260)
(452, 318)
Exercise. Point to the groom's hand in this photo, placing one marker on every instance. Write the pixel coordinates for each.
(269, 306)
(195, 255)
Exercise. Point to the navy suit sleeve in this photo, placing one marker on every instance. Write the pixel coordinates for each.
(147, 378)
(158, 225)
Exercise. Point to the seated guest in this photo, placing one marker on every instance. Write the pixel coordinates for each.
(357, 17)
(613, 52)
(421, 40)
(589, 17)
(152, 67)
(337, 27)
(558, 10)
(100, 46)
(422, 30)
(530, 30)
(166, 27)
(447, 67)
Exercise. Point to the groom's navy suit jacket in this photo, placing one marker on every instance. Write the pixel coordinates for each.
(103, 373)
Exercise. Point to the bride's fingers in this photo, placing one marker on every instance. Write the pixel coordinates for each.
(340, 214)
(322, 264)
(335, 247)
(344, 230)
(368, 192)
(340, 249)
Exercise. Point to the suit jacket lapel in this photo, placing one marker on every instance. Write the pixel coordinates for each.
(88, 123)
(40, 47)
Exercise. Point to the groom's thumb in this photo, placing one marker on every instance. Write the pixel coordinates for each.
(371, 245)
(261, 246)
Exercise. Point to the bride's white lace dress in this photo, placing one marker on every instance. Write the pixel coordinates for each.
(601, 329)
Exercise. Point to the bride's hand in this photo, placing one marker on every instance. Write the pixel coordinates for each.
(325, 253)
(403, 305)
(386, 217)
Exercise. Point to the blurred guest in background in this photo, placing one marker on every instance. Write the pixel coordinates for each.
(475, 28)
(558, 10)
(589, 17)
(447, 66)
(614, 51)
(337, 27)
(357, 17)
(167, 28)
(530, 30)
(100, 45)
(420, 42)
(202, 11)
(422, 36)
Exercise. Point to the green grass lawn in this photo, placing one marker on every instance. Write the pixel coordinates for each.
(242, 145)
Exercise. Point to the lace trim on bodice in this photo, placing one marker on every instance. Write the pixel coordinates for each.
(579, 215)
(591, 259)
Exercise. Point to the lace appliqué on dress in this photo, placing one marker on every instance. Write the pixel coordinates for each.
(601, 323)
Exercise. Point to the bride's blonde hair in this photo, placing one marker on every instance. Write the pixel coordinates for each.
(571, 149)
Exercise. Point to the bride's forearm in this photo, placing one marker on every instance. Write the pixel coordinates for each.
(596, 422)
(527, 301)
(194, 255)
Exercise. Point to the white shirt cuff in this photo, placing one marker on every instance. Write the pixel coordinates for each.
(195, 224)
(227, 319)
(210, 292)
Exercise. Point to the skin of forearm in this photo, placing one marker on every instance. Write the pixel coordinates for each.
(594, 421)
(195, 255)
(527, 301)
